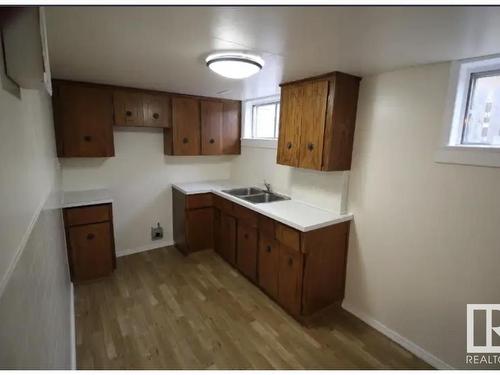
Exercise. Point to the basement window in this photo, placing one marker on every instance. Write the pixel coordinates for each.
(261, 122)
(472, 117)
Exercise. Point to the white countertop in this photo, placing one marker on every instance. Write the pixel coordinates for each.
(85, 198)
(296, 214)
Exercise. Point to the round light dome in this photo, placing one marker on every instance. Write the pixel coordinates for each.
(234, 65)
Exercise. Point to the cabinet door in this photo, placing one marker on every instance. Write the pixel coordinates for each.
(228, 238)
(156, 110)
(199, 229)
(217, 231)
(91, 250)
(290, 279)
(211, 128)
(312, 129)
(246, 257)
(268, 265)
(231, 128)
(186, 126)
(290, 123)
(83, 121)
(128, 108)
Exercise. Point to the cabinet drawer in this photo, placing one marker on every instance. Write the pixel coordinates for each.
(92, 251)
(288, 236)
(199, 200)
(248, 216)
(266, 226)
(223, 204)
(87, 214)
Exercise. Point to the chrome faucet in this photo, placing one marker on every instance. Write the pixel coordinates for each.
(268, 186)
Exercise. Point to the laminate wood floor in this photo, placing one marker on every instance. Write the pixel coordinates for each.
(161, 310)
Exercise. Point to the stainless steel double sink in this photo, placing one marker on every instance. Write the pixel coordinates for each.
(255, 195)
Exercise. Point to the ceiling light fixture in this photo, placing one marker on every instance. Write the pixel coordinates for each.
(235, 65)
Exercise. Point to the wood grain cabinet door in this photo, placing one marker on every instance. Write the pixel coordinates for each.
(211, 127)
(268, 265)
(228, 238)
(217, 231)
(128, 108)
(91, 250)
(290, 280)
(83, 120)
(156, 110)
(290, 124)
(199, 229)
(312, 129)
(231, 128)
(186, 126)
(246, 253)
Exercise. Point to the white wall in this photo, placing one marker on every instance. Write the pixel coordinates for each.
(139, 177)
(35, 329)
(425, 237)
(321, 189)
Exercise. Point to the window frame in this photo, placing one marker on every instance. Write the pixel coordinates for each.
(451, 149)
(247, 124)
(276, 116)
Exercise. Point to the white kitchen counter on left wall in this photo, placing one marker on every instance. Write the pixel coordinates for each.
(80, 198)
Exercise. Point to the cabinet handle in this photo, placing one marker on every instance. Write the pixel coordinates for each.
(87, 138)
(212, 140)
(156, 116)
(128, 113)
(290, 262)
(310, 146)
(268, 248)
(185, 140)
(245, 236)
(90, 236)
(289, 145)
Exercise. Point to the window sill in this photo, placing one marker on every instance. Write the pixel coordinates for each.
(481, 156)
(259, 143)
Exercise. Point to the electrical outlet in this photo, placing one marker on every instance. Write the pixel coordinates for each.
(156, 232)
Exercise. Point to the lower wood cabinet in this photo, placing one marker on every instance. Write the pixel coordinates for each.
(303, 272)
(268, 264)
(90, 241)
(246, 258)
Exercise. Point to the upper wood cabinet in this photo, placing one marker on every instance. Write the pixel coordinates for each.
(211, 127)
(83, 118)
(84, 115)
(135, 108)
(317, 121)
(203, 127)
(184, 136)
(231, 127)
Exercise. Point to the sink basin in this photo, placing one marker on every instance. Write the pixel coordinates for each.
(243, 191)
(264, 198)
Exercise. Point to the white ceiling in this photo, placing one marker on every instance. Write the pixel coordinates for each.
(164, 47)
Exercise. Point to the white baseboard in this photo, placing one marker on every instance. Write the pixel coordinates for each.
(72, 327)
(394, 336)
(154, 245)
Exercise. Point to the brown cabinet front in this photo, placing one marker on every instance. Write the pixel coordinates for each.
(199, 232)
(231, 138)
(211, 127)
(290, 279)
(246, 257)
(91, 254)
(185, 126)
(290, 122)
(156, 110)
(228, 238)
(268, 264)
(128, 108)
(83, 117)
(312, 128)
